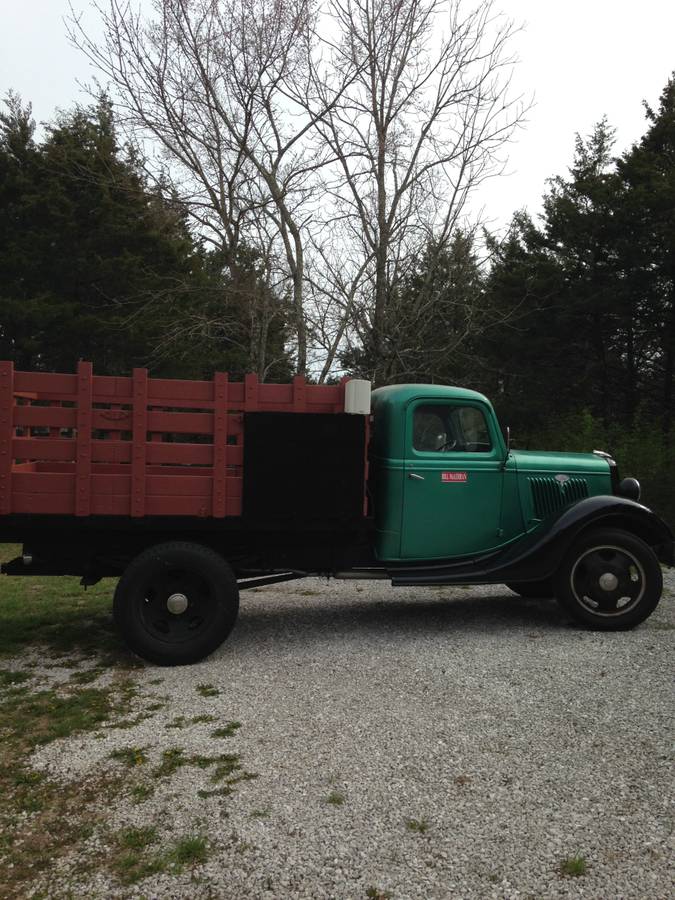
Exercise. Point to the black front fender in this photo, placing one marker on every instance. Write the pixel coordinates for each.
(537, 555)
(552, 541)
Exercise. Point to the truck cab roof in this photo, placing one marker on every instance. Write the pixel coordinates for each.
(389, 406)
(402, 393)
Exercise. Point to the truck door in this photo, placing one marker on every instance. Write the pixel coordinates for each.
(453, 475)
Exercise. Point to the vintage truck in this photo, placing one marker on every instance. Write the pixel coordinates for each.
(190, 491)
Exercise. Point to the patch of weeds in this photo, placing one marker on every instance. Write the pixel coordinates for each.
(374, 893)
(86, 676)
(573, 866)
(462, 779)
(307, 593)
(181, 721)
(207, 690)
(136, 838)
(9, 678)
(124, 724)
(260, 813)
(130, 756)
(224, 791)
(141, 792)
(661, 626)
(418, 826)
(178, 722)
(189, 851)
(156, 681)
(172, 759)
(131, 866)
(155, 707)
(335, 798)
(225, 767)
(46, 715)
(43, 821)
(227, 730)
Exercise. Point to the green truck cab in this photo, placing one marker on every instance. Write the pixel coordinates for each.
(189, 492)
(448, 486)
(456, 505)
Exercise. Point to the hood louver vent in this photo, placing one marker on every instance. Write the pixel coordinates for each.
(550, 495)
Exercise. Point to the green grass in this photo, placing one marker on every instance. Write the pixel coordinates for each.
(61, 816)
(335, 798)
(10, 679)
(58, 614)
(136, 838)
(141, 792)
(418, 826)
(130, 756)
(227, 730)
(374, 893)
(190, 851)
(207, 690)
(573, 866)
(172, 759)
(54, 621)
(131, 866)
(132, 860)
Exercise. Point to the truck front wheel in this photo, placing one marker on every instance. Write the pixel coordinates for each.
(610, 580)
(176, 603)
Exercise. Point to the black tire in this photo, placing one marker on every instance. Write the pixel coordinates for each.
(609, 580)
(532, 589)
(176, 603)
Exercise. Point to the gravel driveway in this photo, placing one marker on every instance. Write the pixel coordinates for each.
(411, 743)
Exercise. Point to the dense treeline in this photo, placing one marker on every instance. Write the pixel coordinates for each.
(94, 264)
(584, 356)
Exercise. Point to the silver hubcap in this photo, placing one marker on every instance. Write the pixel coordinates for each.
(605, 592)
(177, 604)
(608, 581)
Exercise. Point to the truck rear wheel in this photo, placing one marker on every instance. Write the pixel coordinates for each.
(176, 603)
(609, 580)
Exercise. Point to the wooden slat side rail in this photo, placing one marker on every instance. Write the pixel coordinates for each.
(299, 393)
(83, 441)
(251, 392)
(220, 417)
(6, 435)
(98, 444)
(140, 431)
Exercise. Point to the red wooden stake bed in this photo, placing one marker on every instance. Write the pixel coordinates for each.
(93, 445)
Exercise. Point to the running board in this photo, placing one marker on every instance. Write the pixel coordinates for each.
(275, 578)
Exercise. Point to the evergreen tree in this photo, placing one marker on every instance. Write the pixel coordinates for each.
(96, 265)
(647, 250)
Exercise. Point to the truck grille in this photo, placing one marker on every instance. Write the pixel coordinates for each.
(549, 495)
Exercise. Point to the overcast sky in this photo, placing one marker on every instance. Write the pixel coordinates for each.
(579, 58)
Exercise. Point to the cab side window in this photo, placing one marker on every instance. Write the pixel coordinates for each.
(441, 428)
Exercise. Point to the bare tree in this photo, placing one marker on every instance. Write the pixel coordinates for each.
(337, 139)
(224, 87)
(421, 124)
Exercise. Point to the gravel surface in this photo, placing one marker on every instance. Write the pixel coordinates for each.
(469, 741)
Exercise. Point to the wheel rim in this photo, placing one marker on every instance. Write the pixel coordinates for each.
(177, 605)
(608, 580)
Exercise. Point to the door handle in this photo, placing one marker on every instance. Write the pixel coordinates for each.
(415, 477)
